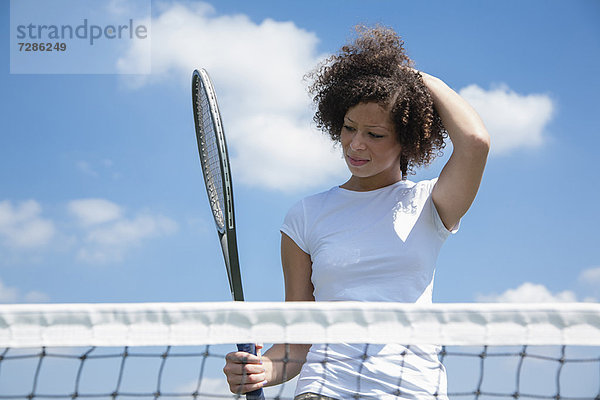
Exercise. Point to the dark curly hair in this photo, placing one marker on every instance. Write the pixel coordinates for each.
(375, 68)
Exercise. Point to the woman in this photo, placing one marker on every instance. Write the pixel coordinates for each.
(377, 236)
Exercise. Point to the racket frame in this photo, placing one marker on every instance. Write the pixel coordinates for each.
(227, 236)
(226, 227)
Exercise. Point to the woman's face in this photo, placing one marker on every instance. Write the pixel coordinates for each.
(370, 147)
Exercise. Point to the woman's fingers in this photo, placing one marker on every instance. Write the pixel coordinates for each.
(244, 372)
(241, 357)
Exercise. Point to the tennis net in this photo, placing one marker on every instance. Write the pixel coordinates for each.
(176, 350)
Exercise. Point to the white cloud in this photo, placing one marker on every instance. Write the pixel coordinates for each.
(94, 211)
(86, 168)
(102, 232)
(300, 158)
(528, 293)
(108, 239)
(590, 276)
(132, 231)
(21, 226)
(209, 385)
(35, 296)
(590, 282)
(257, 70)
(13, 295)
(102, 168)
(513, 120)
(8, 294)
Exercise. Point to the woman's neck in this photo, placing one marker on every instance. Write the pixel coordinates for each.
(358, 184)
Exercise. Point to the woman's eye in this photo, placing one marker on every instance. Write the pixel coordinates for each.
(375, 136)
(348, 128)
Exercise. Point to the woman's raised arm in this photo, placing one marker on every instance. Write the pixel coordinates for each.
(459, 180)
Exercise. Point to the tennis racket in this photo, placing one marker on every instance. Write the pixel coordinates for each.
(217, 178)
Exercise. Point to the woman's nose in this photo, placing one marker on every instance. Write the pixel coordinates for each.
(357, 143)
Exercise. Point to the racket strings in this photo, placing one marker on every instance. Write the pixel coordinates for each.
(210, 156)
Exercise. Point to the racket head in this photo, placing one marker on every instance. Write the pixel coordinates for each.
(212, 149)
(214, 160)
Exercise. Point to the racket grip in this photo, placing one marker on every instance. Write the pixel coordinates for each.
(258, 393)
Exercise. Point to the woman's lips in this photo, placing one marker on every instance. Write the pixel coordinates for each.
(356, 162)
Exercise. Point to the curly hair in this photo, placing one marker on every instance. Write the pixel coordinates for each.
(375, 68)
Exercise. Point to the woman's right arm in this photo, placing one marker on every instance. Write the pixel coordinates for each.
(246, 372)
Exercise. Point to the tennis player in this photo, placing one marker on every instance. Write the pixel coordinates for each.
(376, 237)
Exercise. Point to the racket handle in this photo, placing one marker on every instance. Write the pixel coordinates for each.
(258, 393)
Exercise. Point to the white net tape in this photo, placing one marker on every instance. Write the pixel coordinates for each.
(148, 324)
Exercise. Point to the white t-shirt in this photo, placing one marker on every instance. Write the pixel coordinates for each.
(379, 245)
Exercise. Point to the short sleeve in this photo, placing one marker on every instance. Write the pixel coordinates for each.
(437, 220)
(294, 225)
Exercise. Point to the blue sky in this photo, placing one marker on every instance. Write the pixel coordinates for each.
(102, 198)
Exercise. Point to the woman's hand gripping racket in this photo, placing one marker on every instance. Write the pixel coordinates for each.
(217, 178)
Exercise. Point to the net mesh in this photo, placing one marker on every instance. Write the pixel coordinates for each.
(151, 351)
